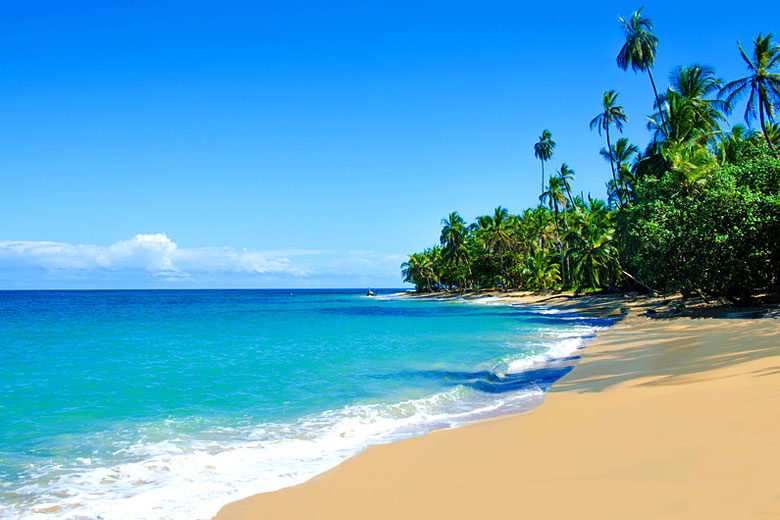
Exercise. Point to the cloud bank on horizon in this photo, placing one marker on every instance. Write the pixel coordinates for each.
(155, 261)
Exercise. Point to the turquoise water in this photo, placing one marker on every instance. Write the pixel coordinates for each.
(169, 404)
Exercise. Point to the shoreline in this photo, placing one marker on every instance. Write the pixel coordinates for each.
(662, 367)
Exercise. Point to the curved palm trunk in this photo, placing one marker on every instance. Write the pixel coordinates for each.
(658, 102)
(542, 179)
(568, 192)
(612, 166)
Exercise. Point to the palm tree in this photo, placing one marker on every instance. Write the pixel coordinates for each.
(695, 83)
(554, 195)
(543, 150)
(732, 146)
(495, 231)
(593, 254)
(763, 84)
(453, 237)
(539, 226)
(592, 251)
(686, 115)
(413, 272)
(689, 166)
(612, 114)
(620, 154)
(639, 49)
(567, 174)
(539, 271)
(432, 266)
(690, 87)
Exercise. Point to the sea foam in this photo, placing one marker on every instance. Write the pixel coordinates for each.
(192, 476)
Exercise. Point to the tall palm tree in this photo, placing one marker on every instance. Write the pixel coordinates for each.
(762, 83)
(612, 114)
(543, 150)
(639, 49)
(555, 197)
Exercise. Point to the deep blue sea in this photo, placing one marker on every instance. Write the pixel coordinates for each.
(169, 404)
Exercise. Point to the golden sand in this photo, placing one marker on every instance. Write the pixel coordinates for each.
(672, 416)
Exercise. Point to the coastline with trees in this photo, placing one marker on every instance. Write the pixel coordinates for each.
(696, 211)
(668, 413)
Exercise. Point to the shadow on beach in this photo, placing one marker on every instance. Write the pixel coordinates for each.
(675, 350)
(658, 341)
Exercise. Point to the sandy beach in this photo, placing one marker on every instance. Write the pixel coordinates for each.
(670, 415)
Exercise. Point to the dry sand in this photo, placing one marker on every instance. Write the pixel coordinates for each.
(677, 416)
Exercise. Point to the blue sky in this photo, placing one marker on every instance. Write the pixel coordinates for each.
(250, 144)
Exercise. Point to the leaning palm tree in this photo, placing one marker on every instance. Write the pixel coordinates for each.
(762, 83)
(612, 114)
(543, 150)
(639, 49)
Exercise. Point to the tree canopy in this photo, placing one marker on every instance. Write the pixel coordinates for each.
(696, 211)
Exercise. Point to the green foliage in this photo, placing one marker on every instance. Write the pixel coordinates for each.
(697, 211)
(762, 84)
(721, 239)
(759, 171)
(528, 251)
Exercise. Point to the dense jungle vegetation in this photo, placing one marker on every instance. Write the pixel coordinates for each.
(697, 210)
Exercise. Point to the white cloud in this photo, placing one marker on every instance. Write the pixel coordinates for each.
(157, 257)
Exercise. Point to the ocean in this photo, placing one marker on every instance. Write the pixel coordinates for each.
(170, 404)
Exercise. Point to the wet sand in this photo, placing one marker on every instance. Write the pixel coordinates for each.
(670, 415)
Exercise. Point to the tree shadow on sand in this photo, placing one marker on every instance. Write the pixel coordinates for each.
(674, 349)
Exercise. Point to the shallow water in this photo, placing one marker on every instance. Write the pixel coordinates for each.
(169, 404)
